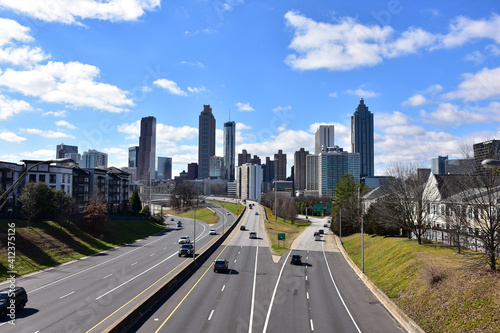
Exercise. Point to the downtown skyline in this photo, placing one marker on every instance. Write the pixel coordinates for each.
(85, 77)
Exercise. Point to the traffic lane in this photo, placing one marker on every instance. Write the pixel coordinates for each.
(327, 310)
(367, 311)
(289, 312)
(58, 299)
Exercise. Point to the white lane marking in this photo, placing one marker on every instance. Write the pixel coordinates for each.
(211, 313)
(274, 294)
(337, 289)
(67, 295)
(107, 276)
(306, 277)
(151, 255)
(135, 263)
(312, 326)
(234, 260)
(89, 268)
(165, 247)
(307, 294)
(224, 286)
(253, 291)
(135, 277)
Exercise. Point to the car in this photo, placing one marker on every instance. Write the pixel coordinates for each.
(171, 219)
(256, 213)
(221, 265)
(243, 227)
(252, 234)
(316, 233)
(186, 249)
(179, 224)
(184, 240)
(325, 225)
(16, 296)
(296, 259)
(317, 237)
(228, 213)
(212, 232)
(321, 231)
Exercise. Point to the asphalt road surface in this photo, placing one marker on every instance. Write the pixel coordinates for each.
(258, 294)
(90, 294)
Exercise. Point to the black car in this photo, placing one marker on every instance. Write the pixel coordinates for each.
(17, 294)
(243, 227)
(221, 265)
(296, 259)
(321, 231)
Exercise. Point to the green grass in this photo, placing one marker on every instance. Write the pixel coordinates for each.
(290, 230)
(45, 244)
(236, 209)
(441, 290)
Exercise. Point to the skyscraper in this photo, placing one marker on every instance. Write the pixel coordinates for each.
(164, 167)
(323, 138)
(299, 162)
(229, 149)
(362, 139)
(63, 149)
(280, 166)
(217, 169)
(133, 156)
(244, 157)
(485, 150)
(206, 141)
(332, 165)
(147, 149)
(93, 159)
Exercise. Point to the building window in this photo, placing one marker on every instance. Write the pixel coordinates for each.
(52, 179)
(32, 178)
(41, 178)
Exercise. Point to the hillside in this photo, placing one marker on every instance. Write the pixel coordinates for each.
(441, 290)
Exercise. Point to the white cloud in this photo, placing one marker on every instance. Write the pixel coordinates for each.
(196, 90)
(416, 100)
(24, 56)
(11, 137)
(450, 114)
(463, 30)
(434, 89)
(10, 107)
(171, 133)
(11, 30)
(47, 134)
(170, 86)
(397, 123)
(493, 50)
(41, 154)
(55, 113)
(196, 64)
(70, 11)
(63, 123)
(476, 57)
(360, 92)
(241, 126)
(70, 83)
(133, 129)
(484, 84)
(282, 108)
(333, 94)
(244, 107)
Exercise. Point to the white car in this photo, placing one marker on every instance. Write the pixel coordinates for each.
(184, 240)
(212, 232)
(228, 213)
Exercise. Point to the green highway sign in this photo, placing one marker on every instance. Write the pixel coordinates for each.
(281, 236)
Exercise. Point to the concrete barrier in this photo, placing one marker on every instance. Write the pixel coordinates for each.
(408, 324)
(126, 322)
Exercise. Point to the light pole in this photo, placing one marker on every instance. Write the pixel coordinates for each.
(5, 196)
(194, 238)
(275, 205)
(224, 218)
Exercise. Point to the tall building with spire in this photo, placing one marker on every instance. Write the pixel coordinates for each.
(146, 156)
(206, 141)
(362, 139)
(229, 150)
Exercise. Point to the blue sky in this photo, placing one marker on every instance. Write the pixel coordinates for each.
(85, 72)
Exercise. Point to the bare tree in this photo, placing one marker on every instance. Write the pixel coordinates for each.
(408, 201)
(184, 196)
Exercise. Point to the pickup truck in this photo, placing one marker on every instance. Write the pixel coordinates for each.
(186, 250)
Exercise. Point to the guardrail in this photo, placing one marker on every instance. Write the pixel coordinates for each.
(125, 323)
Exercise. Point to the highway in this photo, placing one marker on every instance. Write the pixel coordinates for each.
(258, 294)
(90, 294)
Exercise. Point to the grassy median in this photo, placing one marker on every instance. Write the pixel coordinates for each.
(441, 290)
(290, 230)
(44, 244)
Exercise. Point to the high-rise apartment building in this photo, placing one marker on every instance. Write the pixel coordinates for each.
(324, 138)
(362, 139)
(299, 163)
(93, 159)
(312, 172)
(332, 165)
(229, 149)
(269, 170)
(63, 149)
(244, 157)
(192, 171)
(133, 156)
(485, 150)
(280, 166)
(249, 182)
(438, 165)
(217, 169)
(206, 141)
(164, 168)
(147, 149)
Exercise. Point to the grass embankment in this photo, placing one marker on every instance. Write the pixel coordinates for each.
(291, 231)
(236, 209)
(441, 290)
(45, 244)
(206, 215)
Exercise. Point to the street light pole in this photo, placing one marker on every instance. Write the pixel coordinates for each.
(275, 205)
(194, 238)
